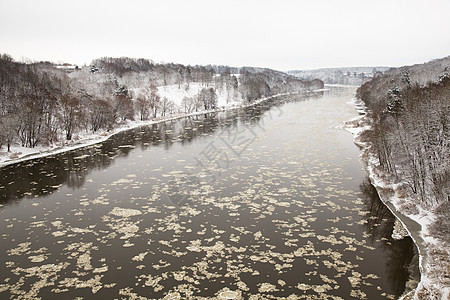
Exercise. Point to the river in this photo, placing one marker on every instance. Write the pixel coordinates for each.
(267, 201)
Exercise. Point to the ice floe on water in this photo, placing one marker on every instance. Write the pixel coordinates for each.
(125, 212)
(267, 228)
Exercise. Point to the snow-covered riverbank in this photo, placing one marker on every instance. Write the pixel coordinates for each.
(418, 221)
(83, 139)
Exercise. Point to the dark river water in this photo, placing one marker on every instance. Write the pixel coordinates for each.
(265, 202)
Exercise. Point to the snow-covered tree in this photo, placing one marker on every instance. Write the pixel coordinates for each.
(154, 99)
(208, 97)
(143, 107)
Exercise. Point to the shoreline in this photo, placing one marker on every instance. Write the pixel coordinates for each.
(415, 225)
(99, 137)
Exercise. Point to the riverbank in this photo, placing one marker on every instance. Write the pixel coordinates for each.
(83, 139)
(419, 222)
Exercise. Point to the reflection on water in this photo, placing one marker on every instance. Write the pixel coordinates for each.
(265, 202)
(402, 257)
(44, 175)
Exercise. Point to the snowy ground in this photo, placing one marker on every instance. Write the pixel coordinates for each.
(177, 93)
(82, 139)
(434, 252)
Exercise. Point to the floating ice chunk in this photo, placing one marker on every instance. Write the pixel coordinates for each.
(267, 288)
(399, 231)
(125, 212)
(37, 258)
(100, 270)
(172, 296)
(140, 256)
(229, 295)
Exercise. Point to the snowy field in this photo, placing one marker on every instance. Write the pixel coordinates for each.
(177, 93)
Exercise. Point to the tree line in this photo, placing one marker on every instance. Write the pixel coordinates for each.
(411, 127)
(41, 104)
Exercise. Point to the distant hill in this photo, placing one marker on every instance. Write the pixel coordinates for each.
(347, 75)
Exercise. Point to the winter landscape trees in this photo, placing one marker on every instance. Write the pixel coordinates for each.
(41, 103)
(208, 97)
(411, 119)
(408, 145)
(346, 76)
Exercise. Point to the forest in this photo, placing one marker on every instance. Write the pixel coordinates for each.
(42, 103)
(345, 75)
(410, 112)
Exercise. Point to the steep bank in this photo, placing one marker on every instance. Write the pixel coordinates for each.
(419, 223)
(405, 132)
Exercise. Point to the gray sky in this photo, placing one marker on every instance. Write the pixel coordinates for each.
(279, 34)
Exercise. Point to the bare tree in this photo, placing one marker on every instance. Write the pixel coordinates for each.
(100, 114)
(208, 97)
(154, 99)
(122, 107)
(143, 107)
(165, 106)
(8, 129)
(70, 114)
(187, 104)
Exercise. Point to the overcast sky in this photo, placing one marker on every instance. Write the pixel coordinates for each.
(279, 34)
